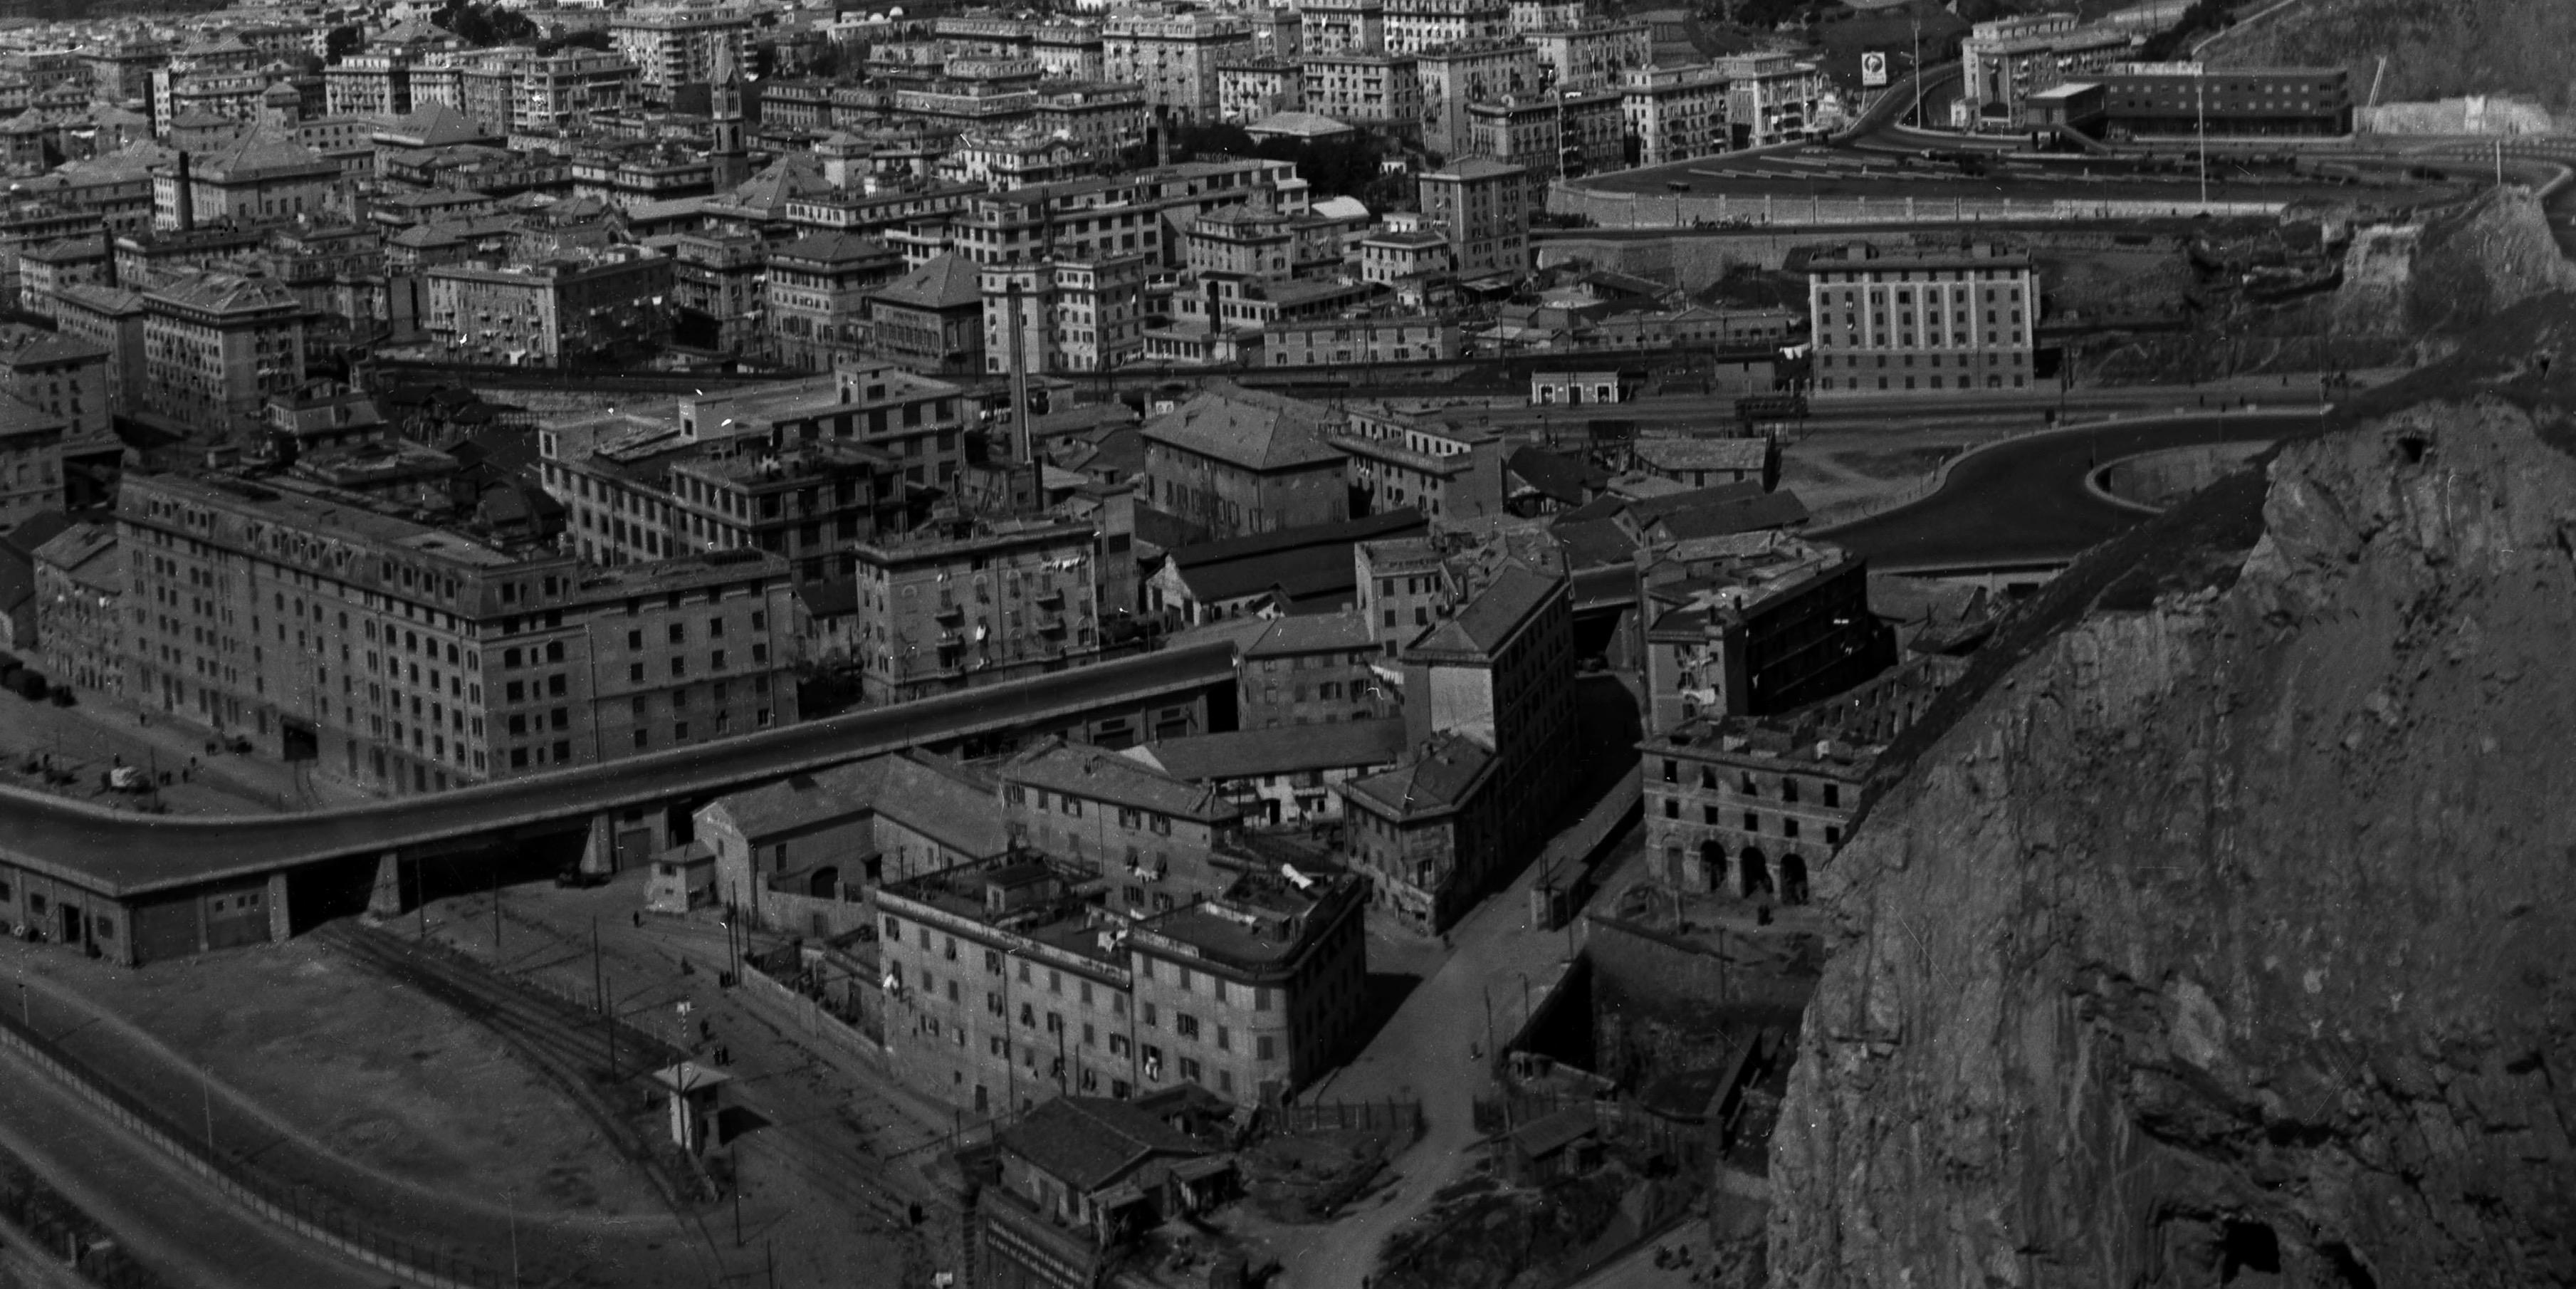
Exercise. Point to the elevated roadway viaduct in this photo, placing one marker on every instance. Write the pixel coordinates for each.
(137, 888)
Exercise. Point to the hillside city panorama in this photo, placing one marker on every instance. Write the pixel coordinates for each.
(1340, 644)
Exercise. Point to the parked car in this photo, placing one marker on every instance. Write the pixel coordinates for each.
(578, 877)
(129, 778)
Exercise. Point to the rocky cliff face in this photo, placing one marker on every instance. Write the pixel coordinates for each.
(2225, 936)
(2402, 281)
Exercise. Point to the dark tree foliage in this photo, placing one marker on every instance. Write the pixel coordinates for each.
(2200, 20)
(593, 39)
(341, 42)
(482, 26)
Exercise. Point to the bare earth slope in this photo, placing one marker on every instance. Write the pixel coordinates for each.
(2221, 931)
(2435, 48)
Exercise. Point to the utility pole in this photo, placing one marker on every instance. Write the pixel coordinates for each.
(2200, 100)
(1917, 15)
(496, 912)
(598, 989)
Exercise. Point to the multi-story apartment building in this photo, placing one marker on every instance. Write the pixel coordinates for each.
(1674, 113)
(818, 287)
(80, 616)
(1955, 320)
(412, 657)
(1069, 51)
(1755, 807)
(2178, 100)
(1072, 313)
(939, 612)
(1488, 706)
(111, 319)
(47, 267)
(1446, 469)
(1389, 258)
(1100, 118)
(1238, 462)
(1014, 158)
(576, 306)
(1342, 26)
(1336, 342)
(1413, 26)
(1250, 89)
(1123, 215)
(1452, 77)
(1771, 98)
(1288, 775)
(2005, 60)
(1403, 583)
(1310, 669)
(1592, 56)
(374, 84)
(1756, 629)
(556, 92)
(1174, 56)
(1093, 805)
(1550, 136)
(1020, 990)
(263, 175)
(932, 318)
(1546, 15)
(123, 73)
(681, 45)
(31, 462)
(216, 346)
(1363, 89)
(719, 286)
(806, 472)
(1481, 207)
(57, 375)
(1747, 807)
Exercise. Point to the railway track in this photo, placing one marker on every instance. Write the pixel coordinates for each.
(805, 1140)
(562, 1042)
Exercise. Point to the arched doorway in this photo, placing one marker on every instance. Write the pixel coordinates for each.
(1710, 875)
(1793, 879)
(1755, 871)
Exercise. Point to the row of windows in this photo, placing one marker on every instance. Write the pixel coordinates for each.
(1789, 828)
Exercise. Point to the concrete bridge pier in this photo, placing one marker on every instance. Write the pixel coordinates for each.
(627, 838)
(390, 896)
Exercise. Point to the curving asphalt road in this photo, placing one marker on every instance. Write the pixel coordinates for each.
(2022, 503)
(125, 854)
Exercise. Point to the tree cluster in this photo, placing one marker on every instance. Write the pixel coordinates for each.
(483, 26)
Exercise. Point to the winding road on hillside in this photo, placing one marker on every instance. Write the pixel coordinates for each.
(2024, 503)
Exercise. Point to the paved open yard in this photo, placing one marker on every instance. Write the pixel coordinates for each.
(301, 1045)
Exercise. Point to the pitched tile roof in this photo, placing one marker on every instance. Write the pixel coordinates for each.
(1253, 429)
(944, 801)
(1492, 617)
(1209, 758)
(1771, 510)
(804, 800)
(945, 282)
(1090, 1143)
(1102, 775)
(1563, 479)
(1316, 634)
(1443, 775)
(256, 151)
